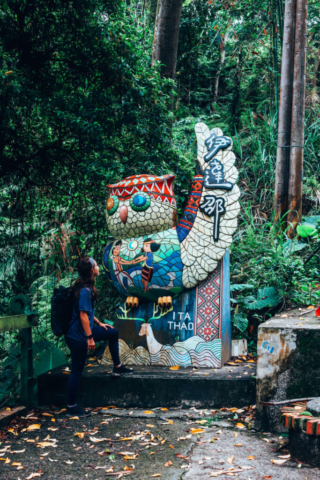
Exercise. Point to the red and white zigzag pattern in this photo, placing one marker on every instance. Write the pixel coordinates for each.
(161, 188)
(208, 306)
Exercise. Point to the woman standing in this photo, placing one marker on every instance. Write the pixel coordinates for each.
(85, 330)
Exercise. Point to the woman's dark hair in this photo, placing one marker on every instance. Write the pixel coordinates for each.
(86, 279)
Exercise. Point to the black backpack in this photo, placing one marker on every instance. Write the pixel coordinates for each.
(61, 310)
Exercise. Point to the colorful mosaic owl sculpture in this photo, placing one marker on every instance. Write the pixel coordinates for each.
(155, 257)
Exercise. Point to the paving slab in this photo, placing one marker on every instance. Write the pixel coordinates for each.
(155, 386)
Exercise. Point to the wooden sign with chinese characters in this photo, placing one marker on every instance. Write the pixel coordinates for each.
(175, 274)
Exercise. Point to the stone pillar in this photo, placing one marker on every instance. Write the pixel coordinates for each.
(288, 363)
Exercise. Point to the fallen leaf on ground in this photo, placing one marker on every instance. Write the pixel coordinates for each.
(35, 426)
(46, 444)
(156, 475)
(168, 464)
(68, 462)
(164, 409)
(196, 430)
(199, 421)
(74, 418)
(79, 434)
(174, 368)
(148, 412)
(133, 457)
(265, 440)
(230, 459)
(235, 434)
(33, 475)
(62, 411)
(238, 445)
(126, 453)
(150, 426)
(170, 421)
(240, 425)
(17, 451)
(52, 429)
(106, 408)
(118, 473)
(251, 457)
(47, 415)
(5, 460)
(279, 462)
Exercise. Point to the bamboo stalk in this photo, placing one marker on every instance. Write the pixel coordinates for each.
(298, 114)
(285, 106)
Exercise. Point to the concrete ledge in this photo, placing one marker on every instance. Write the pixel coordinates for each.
(153, 387)
(7, 415)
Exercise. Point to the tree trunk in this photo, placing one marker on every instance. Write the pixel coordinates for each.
(166, 36)
(222, 59)
(314, 96)
(235, 107)
(284, 129)
(298, 112)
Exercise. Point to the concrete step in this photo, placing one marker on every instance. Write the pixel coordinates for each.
(155, 386)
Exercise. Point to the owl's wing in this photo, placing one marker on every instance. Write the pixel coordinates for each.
(216, 214)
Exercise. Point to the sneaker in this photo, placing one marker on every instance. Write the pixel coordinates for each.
(77, 411)
(122, 369)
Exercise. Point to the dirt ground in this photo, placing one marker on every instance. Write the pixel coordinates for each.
(169, 444)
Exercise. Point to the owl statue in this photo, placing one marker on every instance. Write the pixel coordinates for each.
(155, 257)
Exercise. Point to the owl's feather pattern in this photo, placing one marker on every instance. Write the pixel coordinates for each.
(199, 252)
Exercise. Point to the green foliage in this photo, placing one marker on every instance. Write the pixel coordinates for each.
(266, 297)
(240, 321)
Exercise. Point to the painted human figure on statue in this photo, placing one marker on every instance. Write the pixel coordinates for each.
(149, 247)
(117, 263)
(178, 257)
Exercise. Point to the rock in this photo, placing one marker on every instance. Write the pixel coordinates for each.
(314, 407)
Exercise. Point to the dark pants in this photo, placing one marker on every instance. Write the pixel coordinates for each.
(79, 352)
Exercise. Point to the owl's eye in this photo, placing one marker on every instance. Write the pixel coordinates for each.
(112, 205)
(140, 202)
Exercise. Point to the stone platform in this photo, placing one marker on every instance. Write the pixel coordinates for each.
(288, 365)
(155, 386)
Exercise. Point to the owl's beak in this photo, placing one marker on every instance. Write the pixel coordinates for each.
(123, 213)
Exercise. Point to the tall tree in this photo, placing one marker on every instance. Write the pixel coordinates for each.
(298, 114)
(222, 59)
(284, 129)
(166, 36)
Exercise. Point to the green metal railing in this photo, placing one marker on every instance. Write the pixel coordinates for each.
(24, 387)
